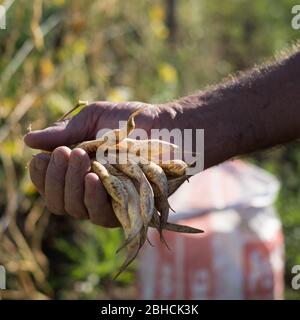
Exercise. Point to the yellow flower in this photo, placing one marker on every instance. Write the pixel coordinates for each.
(58, 3)
(80, 47)
(167, 73)
(46, 67)
(7, 104)
(13, 148)
(157, 13)
(119, 94)
(28, 188)
(160, 30)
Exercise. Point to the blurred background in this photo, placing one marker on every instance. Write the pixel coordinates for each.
(53, 53)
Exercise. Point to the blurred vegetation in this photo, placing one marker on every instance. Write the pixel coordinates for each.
(56, 52)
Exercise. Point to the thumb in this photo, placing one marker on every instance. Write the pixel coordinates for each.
(63, 133)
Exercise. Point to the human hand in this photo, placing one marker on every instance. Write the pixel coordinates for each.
(63, 177)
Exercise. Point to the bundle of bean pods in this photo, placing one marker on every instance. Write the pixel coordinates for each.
(138, 187)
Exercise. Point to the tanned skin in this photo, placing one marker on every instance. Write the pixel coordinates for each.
(257, 110)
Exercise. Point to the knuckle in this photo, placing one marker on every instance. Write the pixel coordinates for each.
(60, 149)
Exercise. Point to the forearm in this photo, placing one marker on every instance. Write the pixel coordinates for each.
(260, 109)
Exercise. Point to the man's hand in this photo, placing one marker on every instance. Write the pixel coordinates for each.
(257, 110)
(64, 178)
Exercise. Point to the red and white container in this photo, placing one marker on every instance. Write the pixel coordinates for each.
(241, 253)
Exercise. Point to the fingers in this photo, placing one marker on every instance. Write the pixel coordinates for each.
(60, 134)
(97, 202)
(63, 179)
(55, 179)
(69, 189)
(65, 133)
(79, 166)
(37, 170)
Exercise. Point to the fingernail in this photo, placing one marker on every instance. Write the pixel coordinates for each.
(41, 161)
(42, 156)
(40, 164)
(59, 159)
